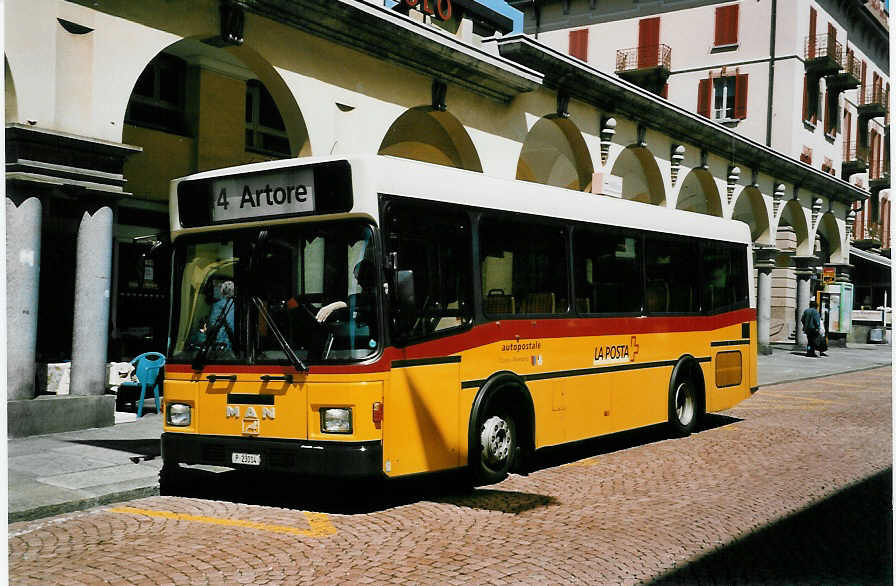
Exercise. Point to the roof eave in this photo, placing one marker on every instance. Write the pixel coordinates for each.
(583, 82)
(386, 34)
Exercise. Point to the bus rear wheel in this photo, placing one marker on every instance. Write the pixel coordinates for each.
(684, 406)
(497, 444)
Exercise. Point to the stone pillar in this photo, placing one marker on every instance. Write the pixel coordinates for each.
(93, 280)
(764, 261)
(805, 268)
(23, 230)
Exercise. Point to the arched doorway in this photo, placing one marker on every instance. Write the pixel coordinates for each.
(554, 153)
(699, 194)
(194, 107)
(750, 209)
(828, 248)
(791, 239)
(641, 178)
(428, 135)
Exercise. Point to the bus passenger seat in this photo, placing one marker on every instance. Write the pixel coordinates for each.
(583, 305)
(539, 303)
(497, 302)
(657, 296)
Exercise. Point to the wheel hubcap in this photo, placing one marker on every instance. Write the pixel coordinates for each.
(685, 405)
(495, 441)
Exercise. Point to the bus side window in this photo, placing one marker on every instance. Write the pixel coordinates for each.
(724, 276)
(434, 242)
(523, 266)
(607, 271)
(672, 266)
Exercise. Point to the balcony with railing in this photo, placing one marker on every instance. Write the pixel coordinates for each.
(823, 55)
(647, 66)
(849, 77)
(855, 160)
(874, 102)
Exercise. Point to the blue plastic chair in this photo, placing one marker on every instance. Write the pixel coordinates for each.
(147, 368)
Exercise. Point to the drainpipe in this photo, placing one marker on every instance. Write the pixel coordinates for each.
(771, 74)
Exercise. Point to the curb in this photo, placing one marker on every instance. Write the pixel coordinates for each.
(796, 380)
(80, 505)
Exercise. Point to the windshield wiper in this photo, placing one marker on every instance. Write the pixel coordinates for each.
(287, 349)
(211, 337)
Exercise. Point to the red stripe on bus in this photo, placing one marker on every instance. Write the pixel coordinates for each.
(494, 331)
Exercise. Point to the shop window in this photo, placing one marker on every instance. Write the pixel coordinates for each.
(672, 270)
(607, 269)
(158, 99)
(265, 130)
(523, 265)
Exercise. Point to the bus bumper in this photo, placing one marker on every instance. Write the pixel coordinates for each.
(304, 457)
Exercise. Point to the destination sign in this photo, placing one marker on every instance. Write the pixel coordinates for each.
(284, 192)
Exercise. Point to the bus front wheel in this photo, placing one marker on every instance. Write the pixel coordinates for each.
(497, 444)
(684, 406)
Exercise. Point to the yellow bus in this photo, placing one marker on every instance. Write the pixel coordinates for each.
(373, 316)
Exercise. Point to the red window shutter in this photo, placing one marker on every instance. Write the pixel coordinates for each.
(827, 112)
(864, 80)
(648, 42)
(813, 17)
(740, 97)
(847, 134)
(885, 221)
(703, 94)
(578, 44)
(805, 97)
(726, 25)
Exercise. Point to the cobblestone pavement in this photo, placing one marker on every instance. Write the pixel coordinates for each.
(792, 486)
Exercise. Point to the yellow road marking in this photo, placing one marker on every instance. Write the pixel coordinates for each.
(319, 523)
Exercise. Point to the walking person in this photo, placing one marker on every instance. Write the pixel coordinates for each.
(811, 321)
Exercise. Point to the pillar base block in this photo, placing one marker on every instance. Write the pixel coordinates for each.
(49, 414)
(765, 350)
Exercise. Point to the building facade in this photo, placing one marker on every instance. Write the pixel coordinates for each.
(106, 103)
(809, 79)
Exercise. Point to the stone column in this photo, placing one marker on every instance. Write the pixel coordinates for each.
(805, 268)
(93, 280)
(23, 231)
(764, 261)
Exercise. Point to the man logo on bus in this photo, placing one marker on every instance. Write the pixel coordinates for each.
(617, 353)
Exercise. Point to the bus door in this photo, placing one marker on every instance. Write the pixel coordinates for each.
(424, 427)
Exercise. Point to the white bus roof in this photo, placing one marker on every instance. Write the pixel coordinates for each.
(375, 174)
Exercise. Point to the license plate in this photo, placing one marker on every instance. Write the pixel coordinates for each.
(249, 459)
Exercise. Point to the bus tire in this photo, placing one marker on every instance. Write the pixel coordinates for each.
(496, 446)
(684, 405)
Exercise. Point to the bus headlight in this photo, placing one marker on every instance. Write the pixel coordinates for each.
(336, 420)
(178, 414)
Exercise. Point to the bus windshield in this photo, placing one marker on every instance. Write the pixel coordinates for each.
(271, 294)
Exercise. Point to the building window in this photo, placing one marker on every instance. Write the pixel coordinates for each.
(578, 44)
(265, 130)
(727, 96)
(723, 89)
(158, 98)
(726, 25)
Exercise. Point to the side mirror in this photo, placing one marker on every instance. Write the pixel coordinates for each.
(405, 301)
